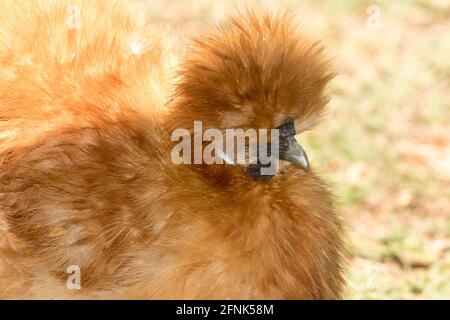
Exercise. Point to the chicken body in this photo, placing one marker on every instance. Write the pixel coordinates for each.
(86, 177)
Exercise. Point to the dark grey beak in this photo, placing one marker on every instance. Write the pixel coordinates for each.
(292, 151)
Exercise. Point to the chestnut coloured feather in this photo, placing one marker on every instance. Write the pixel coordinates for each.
(86, 177)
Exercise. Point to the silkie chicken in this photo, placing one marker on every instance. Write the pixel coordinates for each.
(90, 92)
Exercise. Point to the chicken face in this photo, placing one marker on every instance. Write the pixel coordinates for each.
(287, 148)
(255, 73)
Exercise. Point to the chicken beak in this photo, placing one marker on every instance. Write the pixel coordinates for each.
(293, 152)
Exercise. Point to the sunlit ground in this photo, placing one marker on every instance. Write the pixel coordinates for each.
(385, 145)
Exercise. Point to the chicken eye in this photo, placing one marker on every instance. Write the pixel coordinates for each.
(287, 129)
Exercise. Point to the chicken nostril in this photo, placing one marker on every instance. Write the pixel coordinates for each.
(294, 153)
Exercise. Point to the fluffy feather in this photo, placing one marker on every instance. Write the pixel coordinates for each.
(86, 177)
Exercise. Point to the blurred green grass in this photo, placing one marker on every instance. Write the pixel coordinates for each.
(385, 144)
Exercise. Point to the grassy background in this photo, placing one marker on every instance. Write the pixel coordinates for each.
(385, 145)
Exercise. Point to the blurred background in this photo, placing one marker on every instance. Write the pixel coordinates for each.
(385, 144)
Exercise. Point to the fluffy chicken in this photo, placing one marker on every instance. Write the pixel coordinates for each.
(89, 95)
